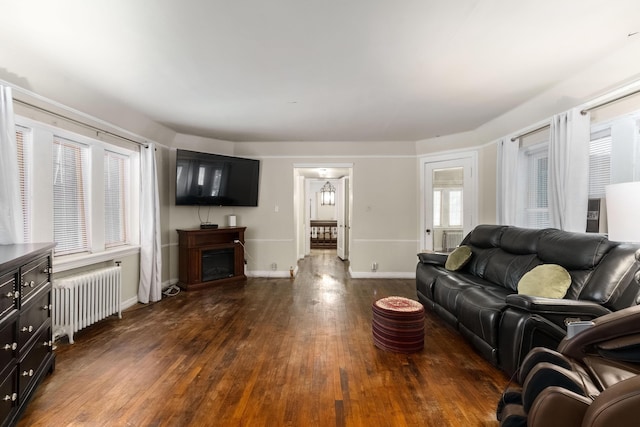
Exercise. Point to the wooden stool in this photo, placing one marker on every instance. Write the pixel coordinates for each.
(398, 324)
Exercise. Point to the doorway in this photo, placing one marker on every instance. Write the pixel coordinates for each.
(449, 202)
(323, 221)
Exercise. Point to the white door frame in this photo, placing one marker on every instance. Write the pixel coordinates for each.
(342, 209)
(301, 226)
(470, 200)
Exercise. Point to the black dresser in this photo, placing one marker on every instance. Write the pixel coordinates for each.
(26, 346)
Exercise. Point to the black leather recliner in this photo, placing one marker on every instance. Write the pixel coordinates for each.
(482, 302)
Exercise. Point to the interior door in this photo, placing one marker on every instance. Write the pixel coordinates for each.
(342, 214)
(449, 203)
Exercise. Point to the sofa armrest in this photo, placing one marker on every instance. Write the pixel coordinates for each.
(437, 258)
(546, 307)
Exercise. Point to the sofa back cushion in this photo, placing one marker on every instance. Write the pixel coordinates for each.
(612, 284)
(485, 236)
(573, 251)
(503, 254)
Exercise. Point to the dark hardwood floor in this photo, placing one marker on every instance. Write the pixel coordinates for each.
(271, 352)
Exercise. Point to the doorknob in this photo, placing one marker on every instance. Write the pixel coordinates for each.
(428, 230)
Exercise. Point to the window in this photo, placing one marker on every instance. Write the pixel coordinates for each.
(536, 204)
(455, 208)
(599, 163)
(116, 167)
(437, 207)
(23, 139)
(70, 209)
(79, 192)
(447, 207)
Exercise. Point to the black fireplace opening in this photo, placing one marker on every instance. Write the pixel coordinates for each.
(217, 264)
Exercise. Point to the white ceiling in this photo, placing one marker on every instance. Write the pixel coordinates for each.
(303, 70)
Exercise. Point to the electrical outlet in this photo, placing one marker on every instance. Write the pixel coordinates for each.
(274, 266)
(374, 266)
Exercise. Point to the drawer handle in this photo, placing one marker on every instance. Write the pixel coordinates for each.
(13, 397)
(27, 329)
(14, 295)
(30, 284)
(12, 346)
(28, 374)
(47, 307)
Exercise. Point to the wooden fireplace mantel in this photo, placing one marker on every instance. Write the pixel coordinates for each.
(192, 244)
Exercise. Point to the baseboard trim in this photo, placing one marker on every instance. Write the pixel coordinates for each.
(129, 303)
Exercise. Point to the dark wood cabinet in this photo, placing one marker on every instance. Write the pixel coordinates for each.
(26, 343)
(210, 256)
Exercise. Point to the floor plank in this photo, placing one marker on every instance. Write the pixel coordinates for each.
(271, 352)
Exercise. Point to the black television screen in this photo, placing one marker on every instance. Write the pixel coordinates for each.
(214, 179)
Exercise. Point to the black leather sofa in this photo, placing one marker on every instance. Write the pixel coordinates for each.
(481, 299)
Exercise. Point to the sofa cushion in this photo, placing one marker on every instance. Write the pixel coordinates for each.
(506, 269)
(426, 277)
(480, 311)
(458, 258)
(546, 280)
(573, 251)
(521, 241)
(448, 288)
(485, 236)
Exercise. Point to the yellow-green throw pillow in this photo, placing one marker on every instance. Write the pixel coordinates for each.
(458, 258)
(546, 280)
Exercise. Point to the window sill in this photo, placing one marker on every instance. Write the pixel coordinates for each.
(69, 262)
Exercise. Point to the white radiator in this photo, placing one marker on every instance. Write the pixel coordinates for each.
(451, 239)
(82, 300)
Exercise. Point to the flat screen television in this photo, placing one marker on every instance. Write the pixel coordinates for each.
(216, 180)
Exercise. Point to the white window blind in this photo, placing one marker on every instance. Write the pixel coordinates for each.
(116, 181)
(537, 208)
(23, 138)
(599, 163)
(70, 207)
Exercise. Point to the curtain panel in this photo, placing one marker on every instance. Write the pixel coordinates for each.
(568, 188)
(507, 181)
(150, 286)
(11, 228)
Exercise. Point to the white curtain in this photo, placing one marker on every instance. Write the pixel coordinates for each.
(150, 287)
(507, 181)
(568, 187)
(11, 229)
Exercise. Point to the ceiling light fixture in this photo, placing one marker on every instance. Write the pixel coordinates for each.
(328, 195)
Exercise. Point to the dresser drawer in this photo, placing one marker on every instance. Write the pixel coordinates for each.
(8, 396)
(33, 316)
(34, 275)
(32, 362)
(8, 339)
(8, 298)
